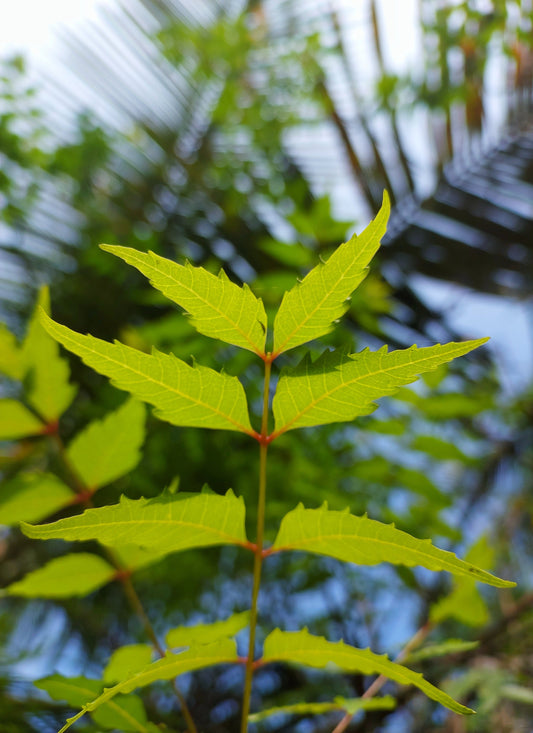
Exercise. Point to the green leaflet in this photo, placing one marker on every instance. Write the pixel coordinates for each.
(216, 306)
(311, 307)
(300, 647)
(338, 387)
(109, 448)
(16, 421)
(169, 523)
(222, 651)
(77, 574)
(182, 395)
(50, 392)
(347, 705)
(184, 636)
(126, 714)
(431, 651)
(30, 497)
(366, 542)
(11, 361)
(127, 660)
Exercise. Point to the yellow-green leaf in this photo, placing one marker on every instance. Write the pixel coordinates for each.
(301, 647)
(49, 392)
(217, 307)
(30, 497)
(182, 395)
(11, 359)
(77, 574)
(222, 651)
(127, 660)
(184, 636)
(367, 542)
(109, 448)
(347, 705)
(338, 387)
(16, 421)
(169, 523)
(311, 307)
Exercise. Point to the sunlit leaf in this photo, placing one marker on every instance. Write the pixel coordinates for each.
(49, 392)
(169, 523)
(127, 660)
(311, 307)
(301, 647)
(77, 574)
(182, 395)
(30, 497)
(222, 651)
(216, 306)
(367, 542)
(109, 448)
(184, 636)
(11, 359)
(16, 421)
(347, 705)
(338, 387)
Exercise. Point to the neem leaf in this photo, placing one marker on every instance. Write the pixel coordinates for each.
(338, 387)
(301, 647)
(109, 448)
(182, 395)
(77, 574)
(184, 636)
(311, 307)
(169, 523)
(443, 648)
(126, 713)
(217, 307)
(30, 497)
(11, 360)
(16, 421)
(347, 705)
(367, 542)
(127, 660)
(222, 651)
(50, 392)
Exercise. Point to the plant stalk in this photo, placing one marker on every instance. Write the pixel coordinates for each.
(258, 552)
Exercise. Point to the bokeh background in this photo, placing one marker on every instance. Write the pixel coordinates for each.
(258, 136)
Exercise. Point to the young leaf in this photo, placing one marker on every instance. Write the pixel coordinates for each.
(350, 705)
(50, 392)
(169, 523)
(109, 448)
(16, 421)
(127, 660)
(223, 651)
(368, 542)
(126, 713)
(30, 497)
(217, 307)
(182, 395)
(77, 574)
(311, 307)
(184, 636)
(338, 387)
(11, 360)
(301, 647)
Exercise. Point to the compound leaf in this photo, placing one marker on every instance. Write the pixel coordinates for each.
(301, 647)
(217, 307)
(338, 387)
(311, 307)
(16, 421)
(223, 651)
(30, 497)
(184, 636)
(126, 714)
(169, 523)
(109, 448)
(49, 392)
(367, 542)
(77, 574)
(182, 395)
(347, 705)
